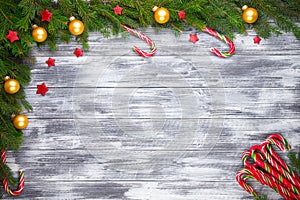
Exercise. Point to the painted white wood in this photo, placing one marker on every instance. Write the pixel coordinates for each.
(118, 126)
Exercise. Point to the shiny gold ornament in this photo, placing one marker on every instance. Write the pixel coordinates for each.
(76, 27)
(161, 15)
(11, 86)
(250, 15)
(20, 121)
(39, 34)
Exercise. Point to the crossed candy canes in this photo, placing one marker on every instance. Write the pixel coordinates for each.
(206, 29)
(265, 166)
(5, 182)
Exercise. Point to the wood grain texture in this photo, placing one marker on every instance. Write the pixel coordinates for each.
(118, 126)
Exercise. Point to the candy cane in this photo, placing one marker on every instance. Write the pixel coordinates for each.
(269, 153)
(5, 182)
(146, 39)
(276, 139)
(223, 38)
(260, 162)
(276, 161)
(267, 179)
(243, 175)
(283, 145)
(258, 175)
(292, 177)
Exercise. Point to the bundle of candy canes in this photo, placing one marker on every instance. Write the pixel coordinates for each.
(264, 165)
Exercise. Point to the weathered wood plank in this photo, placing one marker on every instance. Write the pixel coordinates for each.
(166, 102)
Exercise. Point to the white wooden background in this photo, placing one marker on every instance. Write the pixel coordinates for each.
(115, 125)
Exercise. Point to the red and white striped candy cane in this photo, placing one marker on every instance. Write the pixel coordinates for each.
(282, 144)
(5, 183)
(278, 163)
(264, 178)
(145, 38)
(225, 39)
(243, 175)
(259, 161)
(279, 141)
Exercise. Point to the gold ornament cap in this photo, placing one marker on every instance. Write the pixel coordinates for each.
(154, 8)
(6, 78)
(244, 7)
(72, 18)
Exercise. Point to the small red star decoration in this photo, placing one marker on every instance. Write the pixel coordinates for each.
(118, 10)
(50, 62)
(194, 38)
(46, 15)
(181, 14)
(42, 89)
(12, 36)
(78, 52)
(256, 40)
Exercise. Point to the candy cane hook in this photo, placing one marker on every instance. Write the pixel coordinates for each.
(275, 160)
(276, 139)
(144, 38)
(282, 144)
(5, 182)
(222, 37)
(242, 176)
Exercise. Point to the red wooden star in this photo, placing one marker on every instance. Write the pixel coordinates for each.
(78, 52)
(12, 36)
(181, 14)
(42, 89)
(256, 40)
(50, 62)
(118, 10)
(194, 38)
(46, 15)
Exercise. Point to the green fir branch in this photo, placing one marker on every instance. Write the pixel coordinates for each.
(295, 160)
(261, 197)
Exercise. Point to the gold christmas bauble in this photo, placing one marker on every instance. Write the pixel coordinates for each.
(76, 27)
(39, 34)
(11, 86)
(20, 122)
(161, 15)
(250, 15)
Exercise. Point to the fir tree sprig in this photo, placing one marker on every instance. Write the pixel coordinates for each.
(261, 197)
(295, 160)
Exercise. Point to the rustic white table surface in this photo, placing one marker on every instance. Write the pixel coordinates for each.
(115, 125)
